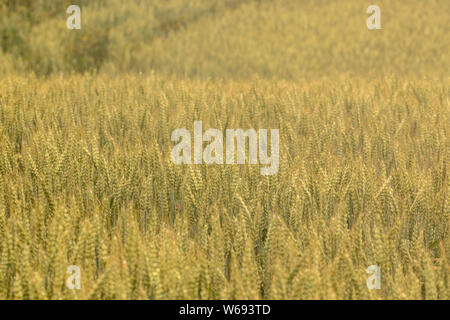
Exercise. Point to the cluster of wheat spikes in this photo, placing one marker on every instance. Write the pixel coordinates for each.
(86, 179)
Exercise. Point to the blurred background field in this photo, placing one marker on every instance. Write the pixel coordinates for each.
(237, 39)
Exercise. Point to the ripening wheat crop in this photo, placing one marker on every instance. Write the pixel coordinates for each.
(86, 179)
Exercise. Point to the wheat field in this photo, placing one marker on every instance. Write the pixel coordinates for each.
(87, 180)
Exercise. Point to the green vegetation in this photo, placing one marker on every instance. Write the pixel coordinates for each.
(282, 39)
